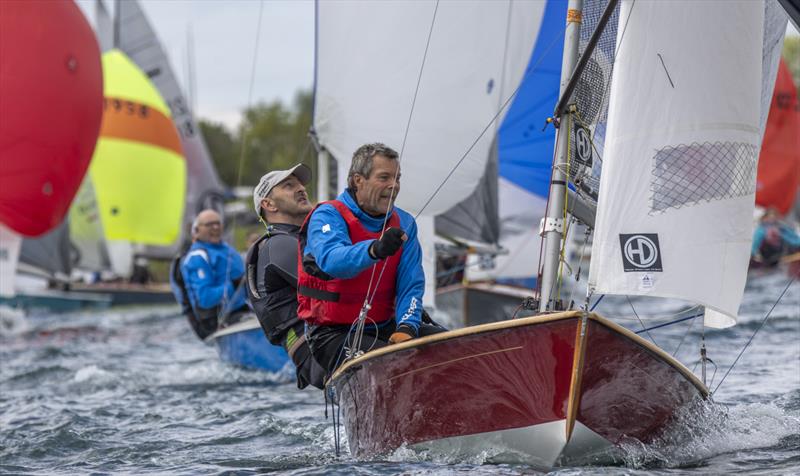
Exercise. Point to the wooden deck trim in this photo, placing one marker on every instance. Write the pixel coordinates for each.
(249, 322)
(466, 331)
(574, 401)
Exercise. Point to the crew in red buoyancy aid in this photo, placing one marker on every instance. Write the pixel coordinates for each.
(340, 242)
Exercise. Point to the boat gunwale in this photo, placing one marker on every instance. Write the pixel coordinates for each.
(246, 324)
(355, 364)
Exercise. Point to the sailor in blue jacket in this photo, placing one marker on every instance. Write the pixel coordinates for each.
(373, 183)
(211, 272)
(773, 239)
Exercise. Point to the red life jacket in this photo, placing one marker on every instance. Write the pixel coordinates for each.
(338, 301)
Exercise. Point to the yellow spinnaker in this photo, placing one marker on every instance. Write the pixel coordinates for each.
(138, 169)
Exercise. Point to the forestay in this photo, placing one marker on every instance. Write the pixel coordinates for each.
(684, 130)
(369, 57)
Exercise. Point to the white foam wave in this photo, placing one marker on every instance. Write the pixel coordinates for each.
(12, 321)
(93, 374)
(709, 430)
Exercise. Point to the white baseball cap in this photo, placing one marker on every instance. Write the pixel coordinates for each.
(270, 180)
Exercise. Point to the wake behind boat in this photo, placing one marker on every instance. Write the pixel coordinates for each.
(557, 389)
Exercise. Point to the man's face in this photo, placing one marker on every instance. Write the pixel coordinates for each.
(288, 197)
(375, 193)
(209, 227)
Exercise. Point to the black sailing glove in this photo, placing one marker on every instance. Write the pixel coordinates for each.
(389, 244)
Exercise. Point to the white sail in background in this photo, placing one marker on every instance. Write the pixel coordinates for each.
(9, 255)
(86, 230)
(369, 56)
(684, 130)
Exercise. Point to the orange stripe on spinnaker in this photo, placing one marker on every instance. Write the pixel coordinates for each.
(136, 122)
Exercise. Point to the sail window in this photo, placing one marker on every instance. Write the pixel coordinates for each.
(690, 174)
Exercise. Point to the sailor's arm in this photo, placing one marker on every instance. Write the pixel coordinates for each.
(198, 275)
(329, 242)
(410, 285)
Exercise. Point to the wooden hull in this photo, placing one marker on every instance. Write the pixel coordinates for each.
(543, 390)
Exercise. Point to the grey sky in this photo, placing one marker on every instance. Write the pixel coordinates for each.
(224, 35)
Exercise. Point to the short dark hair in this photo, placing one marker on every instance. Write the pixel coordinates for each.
(362, 160)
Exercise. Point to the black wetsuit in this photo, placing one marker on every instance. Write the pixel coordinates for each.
(272, 289)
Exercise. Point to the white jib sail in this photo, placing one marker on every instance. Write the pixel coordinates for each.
(369, 56)
(678, 184)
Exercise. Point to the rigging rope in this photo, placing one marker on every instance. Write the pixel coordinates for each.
(685, 334)
(676, 321)
(491, 122)
(368, 299)
(244, 129)
(763, 321)
(529, 71)
(640, 320)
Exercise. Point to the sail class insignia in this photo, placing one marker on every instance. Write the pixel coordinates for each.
(640, 252)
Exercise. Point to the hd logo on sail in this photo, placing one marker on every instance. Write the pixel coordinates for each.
(640, 252)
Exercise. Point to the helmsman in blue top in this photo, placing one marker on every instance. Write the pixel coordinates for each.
(212, 271)
(332, 254)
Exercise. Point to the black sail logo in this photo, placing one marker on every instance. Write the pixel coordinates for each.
(640, 252)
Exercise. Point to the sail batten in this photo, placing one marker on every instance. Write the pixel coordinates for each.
(684, 130)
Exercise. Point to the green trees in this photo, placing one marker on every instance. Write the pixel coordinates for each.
(274, 137)
(791, 53)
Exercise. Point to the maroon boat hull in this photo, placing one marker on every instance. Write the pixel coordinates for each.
(540, 372)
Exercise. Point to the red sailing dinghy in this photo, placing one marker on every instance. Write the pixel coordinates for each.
(541, 389)
(674, 218)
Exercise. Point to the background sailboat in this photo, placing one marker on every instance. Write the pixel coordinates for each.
(136, 183)
(51, 76)
(779, 164)
(133, 36)
(136, 37)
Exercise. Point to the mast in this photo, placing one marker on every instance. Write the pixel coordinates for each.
(554, 219)
(116, 23)
(323, 175)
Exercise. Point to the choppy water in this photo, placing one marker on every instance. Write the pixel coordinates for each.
(132, 391)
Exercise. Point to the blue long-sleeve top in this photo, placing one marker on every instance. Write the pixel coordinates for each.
(329, 242)
(789, 236)
(208, 271)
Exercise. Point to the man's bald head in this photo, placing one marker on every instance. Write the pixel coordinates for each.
(207, 226)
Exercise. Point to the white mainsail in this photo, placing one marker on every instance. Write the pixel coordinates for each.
(674, 214)
(369, 56)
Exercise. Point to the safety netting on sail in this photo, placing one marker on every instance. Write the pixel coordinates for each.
(591, 99)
